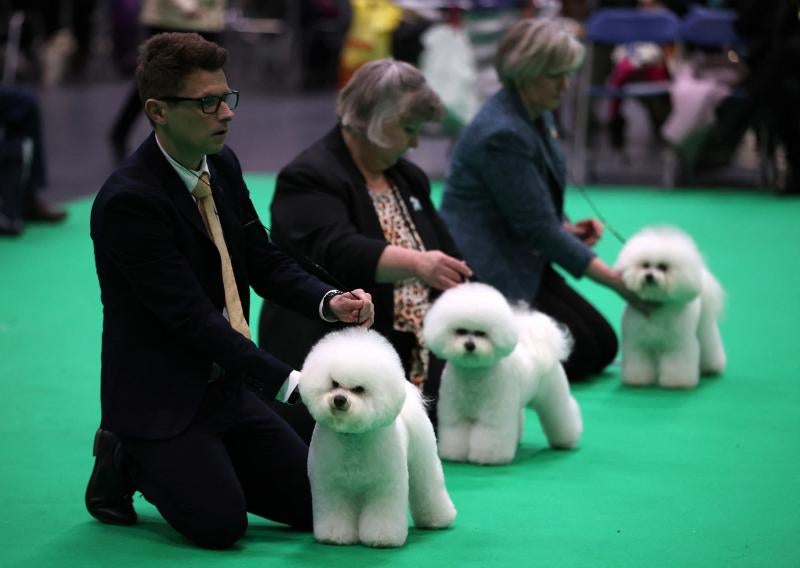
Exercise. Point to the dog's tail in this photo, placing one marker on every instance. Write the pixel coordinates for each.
(549, 340)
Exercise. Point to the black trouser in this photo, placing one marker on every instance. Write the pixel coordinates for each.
(237, 456)
(595, 343)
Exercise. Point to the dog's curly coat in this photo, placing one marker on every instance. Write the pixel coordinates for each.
(373, 449)
(499, 360)
(680, 339)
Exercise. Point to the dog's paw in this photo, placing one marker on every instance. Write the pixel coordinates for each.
(438, 519)
(382, 536)
(335, 532)
(678, 381)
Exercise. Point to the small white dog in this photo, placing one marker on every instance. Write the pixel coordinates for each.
(499, 360)
(373, 449)
(680, 339)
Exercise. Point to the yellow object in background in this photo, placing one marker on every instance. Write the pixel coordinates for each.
(369, 36)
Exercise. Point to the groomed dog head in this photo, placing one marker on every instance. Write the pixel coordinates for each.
(662, 264)
(471, 325)
(352, 381)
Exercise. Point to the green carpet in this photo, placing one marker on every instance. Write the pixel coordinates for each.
(703, 478)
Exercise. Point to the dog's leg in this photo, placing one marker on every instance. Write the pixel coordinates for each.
(495, 443)
(454, 441)
(712, 353)
(384, 518)
(558, 411)
(335, 516)
(638, 367)
(680, 369)
(431, 507)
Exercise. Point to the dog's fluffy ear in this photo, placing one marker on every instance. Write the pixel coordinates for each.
(473, 306)
(355, 357)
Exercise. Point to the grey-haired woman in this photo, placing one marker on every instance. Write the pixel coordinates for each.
(352, 204)
(504, 196)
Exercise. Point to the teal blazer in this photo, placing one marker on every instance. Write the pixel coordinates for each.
(504, 199)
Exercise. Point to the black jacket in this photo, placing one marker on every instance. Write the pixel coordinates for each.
(162, 293)
(322, 212)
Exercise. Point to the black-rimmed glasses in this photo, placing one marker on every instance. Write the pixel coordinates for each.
(210, 103)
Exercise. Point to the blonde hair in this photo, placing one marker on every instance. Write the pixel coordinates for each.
(384, 89)
(535, 47)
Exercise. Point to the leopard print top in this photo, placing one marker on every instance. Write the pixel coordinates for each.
(411, 296)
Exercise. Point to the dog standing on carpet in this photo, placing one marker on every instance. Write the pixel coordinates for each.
(499, 360)
(373, 449)
(679, 339)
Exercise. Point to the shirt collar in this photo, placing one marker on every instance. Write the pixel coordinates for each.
(189, 177)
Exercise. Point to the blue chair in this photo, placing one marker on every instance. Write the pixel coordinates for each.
(614, 26)
(710, 28)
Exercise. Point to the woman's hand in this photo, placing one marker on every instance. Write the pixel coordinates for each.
(602, 274)
(353, 307)
(441, 271)
(587, 230)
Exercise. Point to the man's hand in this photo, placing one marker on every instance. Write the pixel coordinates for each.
(353, 307)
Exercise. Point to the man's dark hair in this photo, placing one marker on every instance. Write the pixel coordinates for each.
(166, 59)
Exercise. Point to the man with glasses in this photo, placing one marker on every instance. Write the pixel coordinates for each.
(177, 246)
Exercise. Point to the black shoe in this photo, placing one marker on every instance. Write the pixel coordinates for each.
(109, 494)
(43, 212)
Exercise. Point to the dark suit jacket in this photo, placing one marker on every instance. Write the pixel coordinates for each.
(322, 210)
(162, 293)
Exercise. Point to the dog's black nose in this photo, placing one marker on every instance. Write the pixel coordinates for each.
(649, 278)
(469, 346)
(340, 401)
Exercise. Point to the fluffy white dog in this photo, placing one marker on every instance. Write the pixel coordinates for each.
(680, 339)
(373, 449)
(499, 360)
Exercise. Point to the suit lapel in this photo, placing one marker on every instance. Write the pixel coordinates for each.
(173, 185)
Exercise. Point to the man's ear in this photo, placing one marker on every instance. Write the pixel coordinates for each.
(156, 111)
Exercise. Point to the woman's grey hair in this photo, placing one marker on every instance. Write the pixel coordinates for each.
(535, 47)
(384, 89)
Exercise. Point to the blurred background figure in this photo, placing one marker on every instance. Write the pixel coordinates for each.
(206, 17)
(23, 173)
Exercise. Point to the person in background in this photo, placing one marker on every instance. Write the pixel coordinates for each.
(354, 205)
(177, 245)
(21, 140)
(504, 194)
(206, 17)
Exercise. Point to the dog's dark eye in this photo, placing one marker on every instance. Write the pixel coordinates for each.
(479, 333)
(461, 331)
(662, 266)
(645, 265)
(334, 384)
(357, 390)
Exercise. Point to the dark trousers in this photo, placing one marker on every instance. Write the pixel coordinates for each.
(237, 456)
(20, 118)
(595, 343)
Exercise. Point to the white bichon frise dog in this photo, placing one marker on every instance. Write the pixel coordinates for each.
(499, 360)
(679, 339)
(373, 449)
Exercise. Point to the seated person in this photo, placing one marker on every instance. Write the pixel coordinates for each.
(352, 204)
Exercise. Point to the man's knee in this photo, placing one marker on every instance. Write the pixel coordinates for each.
(219, 532)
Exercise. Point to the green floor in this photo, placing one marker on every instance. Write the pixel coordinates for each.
(705, 478)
